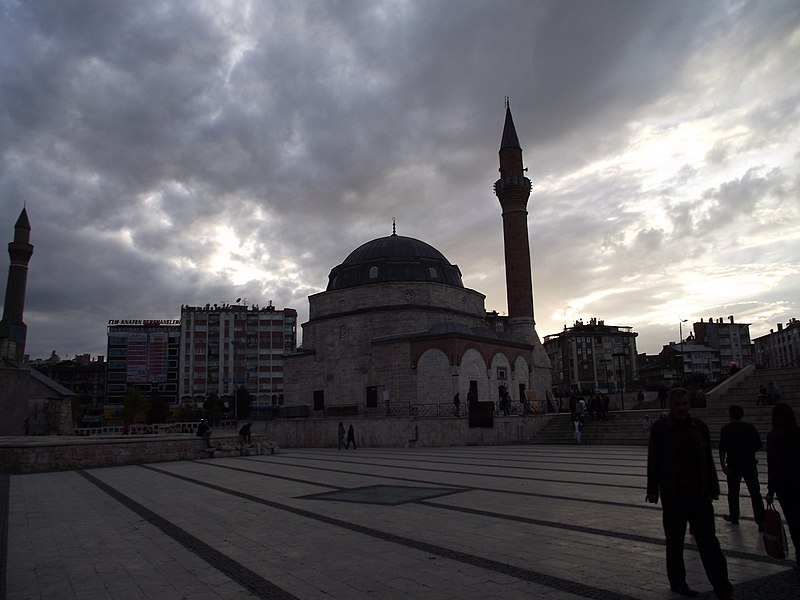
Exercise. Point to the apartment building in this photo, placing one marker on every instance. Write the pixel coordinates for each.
(730, 338)
(225, 347)
(593, 356)
(780, 348)
(142, 356)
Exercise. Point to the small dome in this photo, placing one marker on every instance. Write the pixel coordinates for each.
(394, 258)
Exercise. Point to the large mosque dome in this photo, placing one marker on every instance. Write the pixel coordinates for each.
(393, 258)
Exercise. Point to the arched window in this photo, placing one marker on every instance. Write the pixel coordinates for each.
(373, 272)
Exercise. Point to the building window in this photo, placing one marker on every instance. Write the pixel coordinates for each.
(373, 272)
(501, 373)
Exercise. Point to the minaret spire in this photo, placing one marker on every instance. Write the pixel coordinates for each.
(13, 330)
(510, 139)
(513, 190)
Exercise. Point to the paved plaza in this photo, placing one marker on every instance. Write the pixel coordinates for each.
(436, 523)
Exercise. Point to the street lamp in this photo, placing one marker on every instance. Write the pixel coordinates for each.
(680, 337)
(619, 356)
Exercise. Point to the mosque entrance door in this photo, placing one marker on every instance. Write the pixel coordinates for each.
(481, 414)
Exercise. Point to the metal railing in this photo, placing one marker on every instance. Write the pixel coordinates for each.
(383, 409)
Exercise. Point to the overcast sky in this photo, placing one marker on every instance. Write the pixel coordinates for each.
(194, 152)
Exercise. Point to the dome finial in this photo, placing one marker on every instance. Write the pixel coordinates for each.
(394, 226)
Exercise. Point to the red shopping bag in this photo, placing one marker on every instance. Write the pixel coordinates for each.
(775, 542)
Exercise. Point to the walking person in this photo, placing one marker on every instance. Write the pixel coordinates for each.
(783, 456)
(738, 443)
(577, 424)
(681, 470)
(340, 434)
(351, 437)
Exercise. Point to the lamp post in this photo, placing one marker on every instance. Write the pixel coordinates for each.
(619, 356)
(680, 337)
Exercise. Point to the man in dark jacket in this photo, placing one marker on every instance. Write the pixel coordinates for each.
(681, 470)
(738, 444)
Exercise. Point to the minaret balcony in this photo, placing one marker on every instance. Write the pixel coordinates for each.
(512, 183)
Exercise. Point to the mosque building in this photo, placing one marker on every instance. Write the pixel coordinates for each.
(397, 332)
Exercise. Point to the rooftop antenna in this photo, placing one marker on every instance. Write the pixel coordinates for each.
(394, 226)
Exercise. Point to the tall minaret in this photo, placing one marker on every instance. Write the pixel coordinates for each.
(12, 330)
(513, 190)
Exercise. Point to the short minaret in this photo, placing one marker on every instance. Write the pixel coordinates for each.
(513, 190)
(13, 330)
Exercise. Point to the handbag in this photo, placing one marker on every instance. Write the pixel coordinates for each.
(775, 542)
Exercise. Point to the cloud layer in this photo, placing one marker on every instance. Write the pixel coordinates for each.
(172, 153)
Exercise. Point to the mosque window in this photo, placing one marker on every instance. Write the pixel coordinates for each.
(373, 272)
(433, 272)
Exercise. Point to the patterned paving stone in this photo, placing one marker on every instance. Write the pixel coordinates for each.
(461, 523)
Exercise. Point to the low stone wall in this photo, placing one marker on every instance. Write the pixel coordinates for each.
(404, 432)
(34, 454)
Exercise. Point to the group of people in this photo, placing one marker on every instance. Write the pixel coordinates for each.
(596, 407)
(204, 431)
(681, 472)
(768, 396)
(351, 436)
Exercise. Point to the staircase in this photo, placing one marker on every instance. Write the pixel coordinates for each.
(745, 394)
(630, 427)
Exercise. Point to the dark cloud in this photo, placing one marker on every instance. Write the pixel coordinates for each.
(137, 134)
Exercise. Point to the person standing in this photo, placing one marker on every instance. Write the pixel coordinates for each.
(351, 437)
(204, 431)
(457, 404)
(504, 400)
(762, 395)
(580, 407)
(662, 397)
(681, 470)
(783, 456)
(738, 444)
(340, 434)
